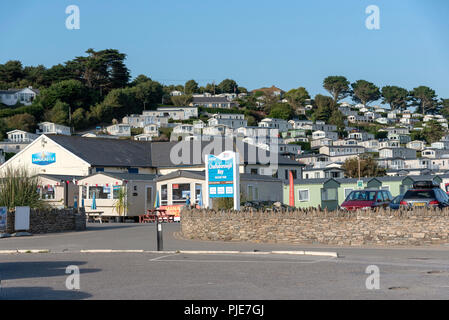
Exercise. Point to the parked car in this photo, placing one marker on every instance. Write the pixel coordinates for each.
(367, 199)
(395, 204)
(425, 194)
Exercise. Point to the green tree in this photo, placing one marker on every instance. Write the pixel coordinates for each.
(11, 71)
(325, 107)
(281, 111)
(297, 98)
(79, 118)
(395, 96)
(72, 92)
(104, 70)
(365, 92)
(368, 168)
(141, 78)
(425, 99)
(228, 86)
(433, 131)
(59, 113)
(37, 76)
(338, 87)
(251, 120)
(211, 88)
(268, 101)
(148, 93)
(181, 101)
(24, 121)
(337, 118)
(444, 107)
(191, 87)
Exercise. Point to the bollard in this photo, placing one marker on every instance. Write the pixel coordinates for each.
(160, 244)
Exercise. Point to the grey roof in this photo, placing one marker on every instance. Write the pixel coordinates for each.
(161, 151)
(184, 174)
(127, 176)
(131, 153)
(382, 179)
(12, 91)
(58, 177)
(107, 152)
(210, 100)
(200, 175)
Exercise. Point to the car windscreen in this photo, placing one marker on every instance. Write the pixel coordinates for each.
(361, 196)
(419, 194)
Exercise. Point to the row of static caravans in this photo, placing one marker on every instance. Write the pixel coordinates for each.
(331, 193)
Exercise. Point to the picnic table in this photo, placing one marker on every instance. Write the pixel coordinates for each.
(95, 215)
(153, 214)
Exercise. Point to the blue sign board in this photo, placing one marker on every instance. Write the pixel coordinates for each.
(3, 216)
(43, 158)
(220, 173)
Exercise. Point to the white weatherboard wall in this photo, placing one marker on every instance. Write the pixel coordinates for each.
(66, 162)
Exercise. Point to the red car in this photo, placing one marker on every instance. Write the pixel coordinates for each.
(367, 199)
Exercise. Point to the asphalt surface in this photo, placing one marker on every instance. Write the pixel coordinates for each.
(405, 273)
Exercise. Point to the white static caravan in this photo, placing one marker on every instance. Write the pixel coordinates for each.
(140, 190)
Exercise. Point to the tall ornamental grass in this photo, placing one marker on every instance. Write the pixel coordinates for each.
(19, 188)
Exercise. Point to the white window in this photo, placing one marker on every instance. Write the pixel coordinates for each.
(303, 195)
(253, 193)
(347, 192)
(329, 194)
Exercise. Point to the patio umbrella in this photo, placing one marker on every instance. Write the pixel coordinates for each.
(156, 201)
(200, 201)
(94, 204)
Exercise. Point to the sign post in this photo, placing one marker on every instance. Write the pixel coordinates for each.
(3, 221)
(223, 177)
(160, 244)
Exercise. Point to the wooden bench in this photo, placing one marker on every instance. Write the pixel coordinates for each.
(95, 215)
(144, 218)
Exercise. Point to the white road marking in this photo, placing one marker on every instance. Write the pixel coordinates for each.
(161, 257)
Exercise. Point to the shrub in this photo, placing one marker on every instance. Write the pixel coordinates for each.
(19, 188)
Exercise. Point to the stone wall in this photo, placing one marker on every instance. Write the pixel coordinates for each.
(382, 227)
(52, 220)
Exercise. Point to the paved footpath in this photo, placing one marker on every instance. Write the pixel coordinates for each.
(405, 273)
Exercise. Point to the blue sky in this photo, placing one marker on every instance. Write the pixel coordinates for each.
(257, 43)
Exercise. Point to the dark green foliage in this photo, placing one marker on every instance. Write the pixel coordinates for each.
(281, 111)
(364, 92)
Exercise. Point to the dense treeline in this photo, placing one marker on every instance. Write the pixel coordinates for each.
(89, 90)
(96, 88)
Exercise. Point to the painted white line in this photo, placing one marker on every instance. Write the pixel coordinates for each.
(321, 253)
(208, 252)
(111, 251)
(161, 257)
(229, 252)
(288, 252)
(24, 251)
(243, 261)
